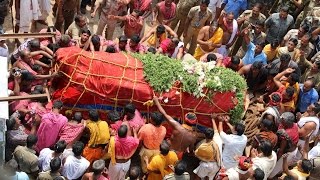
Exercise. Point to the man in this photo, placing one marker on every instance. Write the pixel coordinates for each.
(109, 7)
(230, 29)
(307, 96)
(55, 165)
(312, 71)
(66, 12)
(266, 132)
(158, 34)
(296, 33)
(232, 63)
(98, 171)
(133, 23)
(288, 140)
(284, 62)
(46, 155)
(50, 126)
(134, 45)
(234, 143)
(183, 137)
(74, 29)
(209, 38)
(151, 135)
(198, 17)
(251, 17)
(293, 6)
(305, 46)
(180, 172)
(235, 7)
(172, 48)
(290, 48)
(278, 24)
(159, 166)
(26, 157)
(255, 35)
(4, 7)
(75, 165)
(243, 170)
(165, 12)
(254, 52)
(98, 131)
(122, 148)
(144, 6)
(11, 171)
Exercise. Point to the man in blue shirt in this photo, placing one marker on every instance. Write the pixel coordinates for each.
(234, 6)
(307, 96)
(254, 52)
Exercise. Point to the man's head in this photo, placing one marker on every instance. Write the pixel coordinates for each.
(204, 5)
(293, 78)
(152, 50)
(134, 172)
(259, 27)
(180, 168)
(60, 146)
(305, 166)
(164, 148)
(85, 34)
(259, 47)
(80, 20)
(274, 44)
(13, 122)
(134, 41)
(25, 55)
(256, 9)
(136, 13)
(32, 141)
(98, 166)
(287, 119)
(77, 116)
(292, 44)
(209, 133)
(160, 30)
(34, 45)
(173, 43)
(275, 99)
(57, 105)
(287, 95)
(258, 174)
(284, 59)
(168, 3)
(239, 128)
(55, 164)
(190, 119)
(95, 39)
(256, 66)
(313, 109)
(303, 30)
(77, 148)
(211, 57)
(308, 85)
(111, 49)
(244, 163)
(234, 63)
(65, 41)
(284, 10)
(156, 118)
(315, 66)
(266, 148)
(266, 125)
(122, 131)
(130, 110)
(213, 27)
(229, 18)
(94, 115)
(11, 166)
(305, 40)
(113, 116)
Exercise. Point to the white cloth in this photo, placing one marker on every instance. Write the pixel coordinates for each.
(232, 174)
(234, 145)
(45, 8)
(273, 112)
(305, 120)
(176, 50)
(119, 170)
(45, 157)
(206, 169)
(29, 10)
(223, 48)
(314, 152)
(74, 168)
(213, 5)
(266, 164)
(291, 159)
(4, 51)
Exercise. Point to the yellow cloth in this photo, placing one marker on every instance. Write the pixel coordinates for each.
(99, 132)
(208, 152)
(215, 39)
(301, 175)
(153, 40)
(296, 92)
(159, 165)
(111, 154)
(271, 54)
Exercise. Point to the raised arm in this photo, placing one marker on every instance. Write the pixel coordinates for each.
(277, 78)
(286, 168)
(145, 37)
(170, 31)
(169, 119)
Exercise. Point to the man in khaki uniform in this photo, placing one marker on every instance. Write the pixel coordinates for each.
(26, 157)
(198, 17)
(183, 7)
(309, 7)
(66, 12)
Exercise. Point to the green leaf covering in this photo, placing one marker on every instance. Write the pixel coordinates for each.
(162, 72)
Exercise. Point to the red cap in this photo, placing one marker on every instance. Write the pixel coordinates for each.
(191, 118)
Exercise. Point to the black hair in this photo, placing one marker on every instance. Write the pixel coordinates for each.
(164, 148)
(257, 65)
(290, 91)
(138, 12)
(267, 124)
(235, 60)
(36, 67)
(93, 115)
(284, 9)
(272, 72)
(295, 77)
(275, 97)
(77, 116)
(288, 177)
(134, 172)
(113, 116)
(211, 57)
(316, 108)
(130, 108)
(85, 31)
(53, 47)
(306, 166)
(206, 2)
(111, 49)
(123, 38)
(209, 133)
(57, 104)
(294, 40)
(161, 29)
(258, 174)
(78, 18)
(31, 140)
(39, 88)
(266, 147)
(60, 146)
(152, 50)
(285, 57)
(274, 44)
(260, 23)
(77, 148)
(122, 131)
(34, 44)
(55, 164)
(11, 122)
(95, 39)
(59, 178)
(98, 166)
(51, 27)
(157, 118)
(258, 5)
(306, 28)
(261, 44)
(135, 38)
(239, 127)
(180, 168)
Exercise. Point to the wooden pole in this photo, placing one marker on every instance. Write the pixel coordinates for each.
(17, 98)
(29, 35)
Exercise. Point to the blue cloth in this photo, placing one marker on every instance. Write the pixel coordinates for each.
(235, 6)
(249, 57)
(307, 98)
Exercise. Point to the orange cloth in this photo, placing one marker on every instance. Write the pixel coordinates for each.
(272, 137)
(92, 154)
(152, 136)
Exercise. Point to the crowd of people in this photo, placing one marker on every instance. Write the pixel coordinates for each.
(274, 45)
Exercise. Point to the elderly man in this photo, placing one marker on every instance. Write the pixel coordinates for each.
(278, 24)
(307, 96)
(74, 29)
(312, 71)
(198, 17)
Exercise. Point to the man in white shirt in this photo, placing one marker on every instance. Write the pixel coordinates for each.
(75, 166)
(4, 51)
(234, 143)
(46, 155)
(215, 8)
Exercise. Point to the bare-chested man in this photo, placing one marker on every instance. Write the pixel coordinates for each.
(183, 137)
(230, 29)
(164, 12)
(209, 38)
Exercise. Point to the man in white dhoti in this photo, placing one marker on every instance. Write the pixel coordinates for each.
(29, 9)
